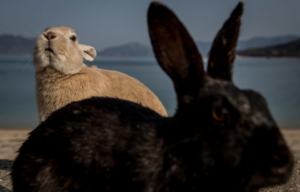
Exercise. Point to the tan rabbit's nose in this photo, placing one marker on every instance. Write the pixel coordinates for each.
(50, 35)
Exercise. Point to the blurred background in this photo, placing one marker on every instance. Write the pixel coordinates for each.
(267, 62)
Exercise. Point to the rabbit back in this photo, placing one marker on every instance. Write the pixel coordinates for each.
(114, 146)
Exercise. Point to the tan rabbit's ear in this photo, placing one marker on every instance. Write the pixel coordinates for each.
(222, 53)
(175, 51)
(89, 53)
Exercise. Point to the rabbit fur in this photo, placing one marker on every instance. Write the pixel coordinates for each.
(221, 138)
(62, 77)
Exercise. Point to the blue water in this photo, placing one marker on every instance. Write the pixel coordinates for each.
(278, 80)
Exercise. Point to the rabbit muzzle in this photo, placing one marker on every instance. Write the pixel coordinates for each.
(54, 44)
(269, 158)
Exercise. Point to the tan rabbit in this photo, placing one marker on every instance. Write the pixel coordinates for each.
(62, 77)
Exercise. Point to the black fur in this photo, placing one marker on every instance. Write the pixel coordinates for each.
(222, 53)
(220, 139)
(174, 47)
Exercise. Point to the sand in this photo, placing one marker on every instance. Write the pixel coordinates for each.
(12, 139)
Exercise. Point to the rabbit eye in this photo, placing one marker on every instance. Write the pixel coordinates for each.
(220, 114)
(73, 38)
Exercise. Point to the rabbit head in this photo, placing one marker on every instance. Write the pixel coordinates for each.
(58, 47)
(218, 127)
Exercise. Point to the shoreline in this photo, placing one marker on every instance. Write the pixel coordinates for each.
(266, 57)
(30, 128)
(12, 139)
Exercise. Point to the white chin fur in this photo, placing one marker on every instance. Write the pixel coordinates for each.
(61, 64)
(57, 61)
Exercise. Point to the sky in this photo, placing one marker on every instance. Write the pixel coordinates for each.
(106, 23)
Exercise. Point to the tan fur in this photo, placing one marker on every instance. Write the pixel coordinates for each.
(62, 77)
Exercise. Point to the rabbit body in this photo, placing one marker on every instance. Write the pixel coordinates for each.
(221, 138)
(55, 89)
(116, 135)
(62, 77)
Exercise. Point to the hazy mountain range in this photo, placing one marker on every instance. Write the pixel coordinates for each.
(291, 49)
(130, 49)
(16, 44)
(19, 44)
(257, 42)
(137, 49)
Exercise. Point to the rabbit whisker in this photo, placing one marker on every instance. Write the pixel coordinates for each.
(20, 61)
(24, 68)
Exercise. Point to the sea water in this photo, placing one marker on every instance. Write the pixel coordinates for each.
(278, 80)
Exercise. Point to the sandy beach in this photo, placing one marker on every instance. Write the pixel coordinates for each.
(12, 139)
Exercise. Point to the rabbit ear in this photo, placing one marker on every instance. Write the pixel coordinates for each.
(89, 53)
(222, 53)
(175, 50)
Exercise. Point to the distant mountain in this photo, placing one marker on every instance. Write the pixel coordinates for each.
(265, 41)
(130, 49)
(204, 47)
(137, 49)
(19, 44)
(291, 49)
(15, 44)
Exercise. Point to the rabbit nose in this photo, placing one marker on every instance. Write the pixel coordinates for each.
(50, 35)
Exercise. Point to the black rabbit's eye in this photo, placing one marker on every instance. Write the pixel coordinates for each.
(220, 114)
(73, 38)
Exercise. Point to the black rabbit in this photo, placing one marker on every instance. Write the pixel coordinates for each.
(220, 139)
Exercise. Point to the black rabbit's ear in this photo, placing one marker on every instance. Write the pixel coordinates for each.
(175, 50)
(222, 53)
